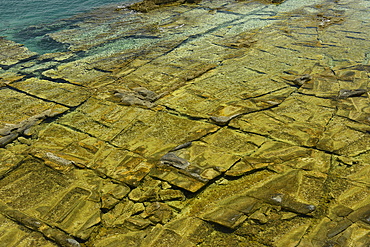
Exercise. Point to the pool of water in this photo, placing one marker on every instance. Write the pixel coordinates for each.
(19, 19)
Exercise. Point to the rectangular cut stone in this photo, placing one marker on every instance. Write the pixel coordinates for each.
(234, 142)
(30, 185)
(120, 164)
(77, 72)
(57, 138)
(63, 93)
(344, 137)
(155, 133)
(64, 201)
(103, 119)
(298, 121)
(17, 107)
(226, 93)
(205, 160)
(62, 148)
(142, 131)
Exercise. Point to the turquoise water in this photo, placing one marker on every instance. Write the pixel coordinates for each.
(23, 21)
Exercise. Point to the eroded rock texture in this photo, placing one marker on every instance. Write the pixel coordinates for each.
(217, 123)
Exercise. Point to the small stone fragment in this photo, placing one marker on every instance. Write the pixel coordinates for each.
(139, 96)
(181, 146)
(175, 161)
(301, 80)
(222, 120)
(339, 227)
(180, 178)
(118, 191)
(342, 211)
(346, 93)
(108, 202)
(210, 173)
(248, 165)
(292, 205)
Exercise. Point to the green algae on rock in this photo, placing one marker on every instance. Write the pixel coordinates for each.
(218, 123)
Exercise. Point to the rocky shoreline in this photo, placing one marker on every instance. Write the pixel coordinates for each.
(213, 123)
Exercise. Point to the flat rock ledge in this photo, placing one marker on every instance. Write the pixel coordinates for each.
(213, 123)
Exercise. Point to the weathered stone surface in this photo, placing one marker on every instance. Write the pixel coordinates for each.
(115, 239)
(139, 96)
(30, 112)
(206, 159)
(112, 194)
(121, 212)
(158, 212)
(221, 96)
(49, 232)
(11, 131)
(226, 216)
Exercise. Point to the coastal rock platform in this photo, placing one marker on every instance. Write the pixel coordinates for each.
(212, 123)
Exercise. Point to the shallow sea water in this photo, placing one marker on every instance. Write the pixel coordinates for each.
(16, 17)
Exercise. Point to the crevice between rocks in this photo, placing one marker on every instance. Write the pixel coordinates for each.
(34, 96)
(61, 80)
